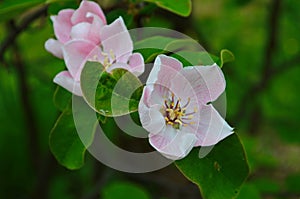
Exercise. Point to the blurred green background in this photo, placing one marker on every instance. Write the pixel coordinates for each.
(262, 98)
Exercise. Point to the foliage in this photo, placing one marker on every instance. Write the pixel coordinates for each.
(263, 106)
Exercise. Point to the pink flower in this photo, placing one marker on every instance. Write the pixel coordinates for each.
(82, 35)
(174, 107)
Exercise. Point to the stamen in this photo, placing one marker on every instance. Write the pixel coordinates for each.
(112, 55)
(190, 117)
(166, 103)
(174, 114)
(177, 104)
(188, 102)
(95, 57)
(178, 121)
(104, 54)
(106, 62)
(172, 102)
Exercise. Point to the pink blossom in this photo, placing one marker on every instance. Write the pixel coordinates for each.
(83, 35)
(175, 107)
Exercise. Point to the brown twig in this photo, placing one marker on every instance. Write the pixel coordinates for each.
(250, 97)
(26, 105)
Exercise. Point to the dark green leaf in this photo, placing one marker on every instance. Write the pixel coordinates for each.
(119, 189)
(112, 94)
(11, 9)
(188, 58)
(153, 46)
(56, 5)
(116, 13)
(62, 99)
(65, 143)
(219, 174)
(249, 191)
(180, 7)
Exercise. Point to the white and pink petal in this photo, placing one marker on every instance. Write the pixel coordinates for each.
(151, 118)
(65, 80)
(115, 39)
(164, 69)
(207, 81)
(212, 127)
(81, 14)
(173, 143)
(62, 25)
(54, 47)
(76, 53)
(136, 64)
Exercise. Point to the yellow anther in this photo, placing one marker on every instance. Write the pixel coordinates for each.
(172, 104)
(190, 117)
(104, 54)
(178, 121)
(180, 114)
(95, 57)
(106, 62)
(112, 55)
(174, 113)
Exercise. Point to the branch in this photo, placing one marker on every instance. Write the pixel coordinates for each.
(27, 108)
(13, 34)
(267, 69)
(272, 43)
(286, 66)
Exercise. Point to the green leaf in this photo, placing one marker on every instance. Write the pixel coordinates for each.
(62, 99)
(249, 191)
(11, 9)
(58, 1)
(122, 189)
(180, 7)
(225, 57)
(153, 46)
(188, 58)
(116, 13)
(65, 143)
(110, 94)
(219, 174)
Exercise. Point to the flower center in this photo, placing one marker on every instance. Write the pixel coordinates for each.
(109, 58)
(175, 114)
